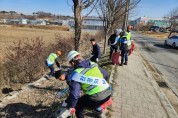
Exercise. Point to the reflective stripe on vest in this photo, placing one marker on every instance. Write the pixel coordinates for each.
(91, 79)
(116, 40)
(128, 37)
(51, 59)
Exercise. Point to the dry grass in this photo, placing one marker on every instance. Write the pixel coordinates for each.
(10, 34)
(48, 27)
(158, 35)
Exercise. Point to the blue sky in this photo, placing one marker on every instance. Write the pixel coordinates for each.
(149, 8)
(155, 8)
(30, 6)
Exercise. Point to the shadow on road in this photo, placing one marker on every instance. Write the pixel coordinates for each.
(165, 47)
(162, 46)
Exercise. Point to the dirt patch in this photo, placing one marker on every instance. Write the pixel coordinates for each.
(162, 84)
(33, 101)
(158, 35)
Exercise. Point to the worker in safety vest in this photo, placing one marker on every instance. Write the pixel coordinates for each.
(125, 45)
(90, 78)
(52, 58)
(128, 32)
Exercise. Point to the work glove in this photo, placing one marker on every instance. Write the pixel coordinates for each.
(72, 111)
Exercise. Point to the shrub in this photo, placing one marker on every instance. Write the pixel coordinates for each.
(24, 61)
(63, 44)
(85, 45)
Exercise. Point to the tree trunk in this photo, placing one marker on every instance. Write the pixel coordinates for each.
(78, 31)
(78, 25)
(125, 23)
(105, 38)
(105, 41)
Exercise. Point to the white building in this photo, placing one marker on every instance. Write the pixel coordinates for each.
(71, 22)
(161, 22)
(38, 22)
(3, 21)
(94, 23)
(23, 21)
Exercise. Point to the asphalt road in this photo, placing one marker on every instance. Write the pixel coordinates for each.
(163, 58)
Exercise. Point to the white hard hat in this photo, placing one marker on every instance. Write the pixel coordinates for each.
(71, 55)
(118, 31)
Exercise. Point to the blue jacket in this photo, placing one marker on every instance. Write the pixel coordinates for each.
(123, 45)
(75, 87)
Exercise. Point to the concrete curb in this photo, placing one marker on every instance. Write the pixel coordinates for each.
(112, 73)
(164, 100)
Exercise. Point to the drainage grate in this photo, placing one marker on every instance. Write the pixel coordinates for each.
(162, 84)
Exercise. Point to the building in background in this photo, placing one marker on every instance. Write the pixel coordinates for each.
(92, 23)
(160, 22)
(23, 21)
(3, 21)
(38, 22)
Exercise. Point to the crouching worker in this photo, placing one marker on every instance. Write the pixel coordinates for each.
(90, 78)
(52, 58)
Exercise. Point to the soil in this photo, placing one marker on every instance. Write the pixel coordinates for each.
(35, 100)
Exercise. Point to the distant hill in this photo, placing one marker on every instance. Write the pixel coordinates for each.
(35, 15)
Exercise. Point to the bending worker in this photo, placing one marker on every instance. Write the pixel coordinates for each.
(90, 78)
(52, 58)
(113, 41)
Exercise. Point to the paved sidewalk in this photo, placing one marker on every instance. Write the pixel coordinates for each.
(134, 95)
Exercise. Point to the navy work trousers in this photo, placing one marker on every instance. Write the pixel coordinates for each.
(124, 56)
(85, 102)
(51, 69)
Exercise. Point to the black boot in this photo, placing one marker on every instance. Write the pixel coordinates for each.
(125, 63)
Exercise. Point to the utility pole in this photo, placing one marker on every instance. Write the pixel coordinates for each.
(126, 16)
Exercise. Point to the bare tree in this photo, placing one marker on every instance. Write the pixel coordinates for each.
(80, 5)
(172, 18)
(112, 12)
(126, 15)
